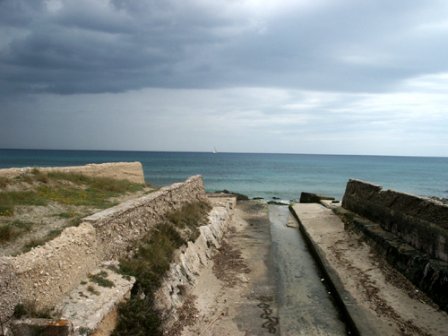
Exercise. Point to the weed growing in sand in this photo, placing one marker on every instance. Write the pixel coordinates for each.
(103, 184)
(92, 290)
(34, 242)
(101, 279)
(74, 218)
(21, 198)
(95, 191)
(138, 315)
(6, 210)
(29, 310)
(4, 181)
(189, 218)
(12, 230)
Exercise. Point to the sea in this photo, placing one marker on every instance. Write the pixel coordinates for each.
(268, 176)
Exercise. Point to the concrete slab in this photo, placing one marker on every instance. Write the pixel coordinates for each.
(305, 307)
(88, 304)
(374, 303)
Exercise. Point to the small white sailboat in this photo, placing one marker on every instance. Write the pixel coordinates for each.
(214, 150)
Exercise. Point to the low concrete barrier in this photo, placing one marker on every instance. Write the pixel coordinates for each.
(420, 222)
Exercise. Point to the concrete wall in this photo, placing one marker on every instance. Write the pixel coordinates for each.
(185, 269)
(420, 222)
(131, 171)
(45, 274)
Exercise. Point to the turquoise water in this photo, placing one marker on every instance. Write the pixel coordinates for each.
(262, 175)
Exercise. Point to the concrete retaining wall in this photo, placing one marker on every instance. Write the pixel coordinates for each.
(185, 268)
(420, 222)
(44, 275)
(131, 171)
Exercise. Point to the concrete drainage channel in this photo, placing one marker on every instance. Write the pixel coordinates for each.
(308, 302)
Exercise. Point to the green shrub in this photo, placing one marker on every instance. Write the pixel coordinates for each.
(101, 279)
(190, 217)
(138, 315)
(12, 230)
(6, 210)
(29, 310)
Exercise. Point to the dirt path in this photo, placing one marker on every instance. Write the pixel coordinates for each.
(235, 295)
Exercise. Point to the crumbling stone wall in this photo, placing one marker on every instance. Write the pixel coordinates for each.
(131, 171)
(118, 228)
(44, 275)
(420, 222)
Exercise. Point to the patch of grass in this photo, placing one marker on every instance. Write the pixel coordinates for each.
(39, 176)
(6, 210)
(74, 217)
(68, 214)
(101, 279)
(138, 315)
(83, 190)
(34, 242)
(75, 196)
(4, 181)
(12, 230)
(104, 184)
(21, 198)
(96, 191)
(10, 199)
(29, 310)
(189, 218)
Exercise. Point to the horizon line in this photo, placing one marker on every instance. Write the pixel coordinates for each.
(211, 152)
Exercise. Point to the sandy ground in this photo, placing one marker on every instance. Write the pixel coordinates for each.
(389, 302)
(235, 295)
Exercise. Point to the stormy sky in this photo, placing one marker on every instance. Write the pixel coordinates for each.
(303, 76)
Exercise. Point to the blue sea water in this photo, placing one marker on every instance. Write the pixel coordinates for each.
(261, 175)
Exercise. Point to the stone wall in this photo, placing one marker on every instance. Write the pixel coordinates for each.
(131, 171)
(118, 228)
(420, 222)
(45, 274)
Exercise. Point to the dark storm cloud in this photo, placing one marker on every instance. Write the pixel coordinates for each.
(101, 46)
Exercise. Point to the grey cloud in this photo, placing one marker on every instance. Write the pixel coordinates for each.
(125, 45)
